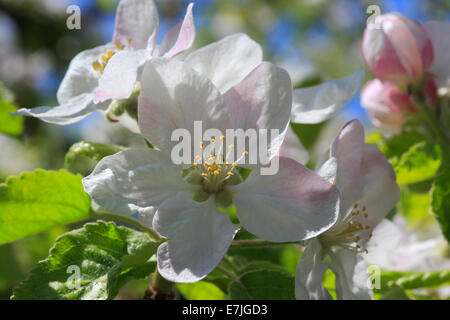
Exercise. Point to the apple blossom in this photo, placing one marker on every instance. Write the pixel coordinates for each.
(181, 202)
(397, 49)
(411, 251)
(368, 191)
(135, 35)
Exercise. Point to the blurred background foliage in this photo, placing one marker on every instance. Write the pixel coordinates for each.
(315, 40)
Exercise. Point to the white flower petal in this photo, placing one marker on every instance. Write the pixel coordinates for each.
(120, 75)
(294, 204)
(199, 236)
(385, 238)
(439, 33)
(80, 77)
(310, 272)
(228, 61)
(263, 100)
(174, 96)
(134, 182)
(293, 148)
(179, 38)
(352, 276)
(71, 111)
(319, 103)
(138, 21)
(380, 191)
(328, 170)
(348, 148)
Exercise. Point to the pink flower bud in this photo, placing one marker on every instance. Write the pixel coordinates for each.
(397, 49)
(389, 107)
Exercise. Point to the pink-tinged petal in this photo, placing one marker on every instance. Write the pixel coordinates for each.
(263, 100)
(310, 272)
(179, 38)
(352, 276)
(174, 96)
(228, 61)
(375, 100)
(348, 148)
(397, 49)
(135, 182)
(294, 204)
(80, 77)
(293, 148)
(120, 75)
(319, 103)
(439, 32)
(380, 192)
(410, 41)
(71, 111)
(199, 236)
(137, 21)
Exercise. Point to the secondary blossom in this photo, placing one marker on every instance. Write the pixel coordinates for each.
(366, 182)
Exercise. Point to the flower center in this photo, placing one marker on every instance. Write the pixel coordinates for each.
(100, 64)
(352, 233)
(215, 170)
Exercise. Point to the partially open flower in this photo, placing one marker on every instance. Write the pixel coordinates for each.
(397, 49)
(366, 182)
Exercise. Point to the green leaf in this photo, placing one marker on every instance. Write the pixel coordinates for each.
(83, 156)
(393, 147)
(308, 133)
(106, 256)
(263, 285)
(421, 162)
(412, 280)
(415, 206)
(395, 293)
(201, 290)
(37, 201)
(440, 201)
(329, 282)
(9, 124)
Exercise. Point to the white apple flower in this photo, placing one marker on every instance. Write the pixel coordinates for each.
(319, 103)
(368, 191)
(412, 251)
(135, 35)
(181, 203)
